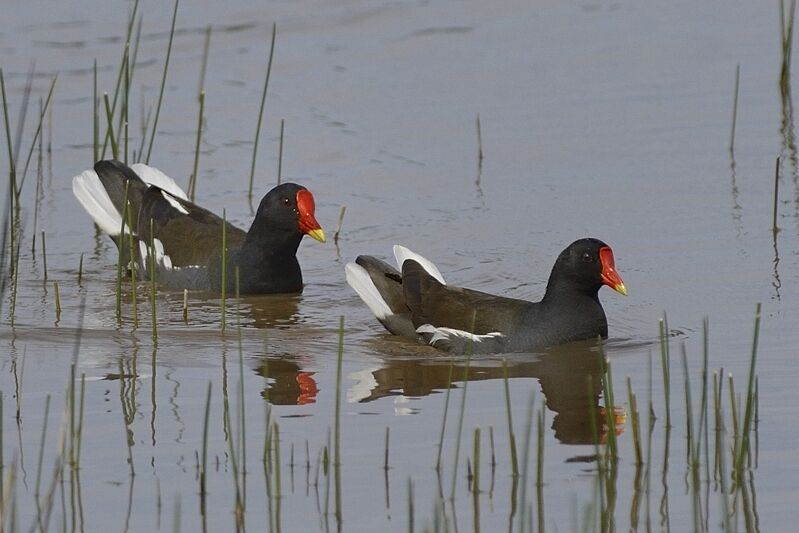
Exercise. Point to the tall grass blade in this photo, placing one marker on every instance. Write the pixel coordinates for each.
(261, 112)
(163, 84)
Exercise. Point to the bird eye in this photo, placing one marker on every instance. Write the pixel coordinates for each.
(286, 201)
(587, 258)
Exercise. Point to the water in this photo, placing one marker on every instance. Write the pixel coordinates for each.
(604, 120)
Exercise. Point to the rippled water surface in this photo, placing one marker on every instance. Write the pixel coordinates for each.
(610, 120)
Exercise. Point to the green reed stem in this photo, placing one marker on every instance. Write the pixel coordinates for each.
(153, 283)
(109, 118)
(134, 278)
(261, 110)
(95, 116)
(340, 222)
(476, 461)
(539, 484)
(204, 462)
(11, 161)
(444, 418)
(511, 437)
(121, 257)
(280, 153)
(665, 366)
(460, 423)
(750, 401)
(775, 210)
(735, 107)
(385, 456)
(37, 492)
(44, 256)
(121, 73)
(224, 268)
(163, 83)
(337, 421)
(528, 429)
(689, 417)
(57, 301)
(634, 415)
(38, 132)
(193, 179)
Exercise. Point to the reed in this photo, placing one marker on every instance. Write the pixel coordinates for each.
(539, 483)
(37, 134)
(385, 455)
(110, 130)
(444, 417)
(340, 222)
(280, 152)
(459, 431)
(525, 463)
(95, 115)
(775, 210)
(133, 265)
(261, 111)
(786, 39)
(44, 257)
(750, 403)
(476, 461)
(337, 422)
(223, 296)
(411, 512)
(278, 483)
(193, 179)
(120, 74)
(204, 463)
(120, 256)
(735, 107)
(153, 284)
(634, 415)
(610, 406)
(163, 83)
(511, 437)
(665, 366)
(125, 420)
(57, 301)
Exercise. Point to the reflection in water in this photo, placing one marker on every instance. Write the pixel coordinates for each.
(290, 384)
(266, 311)
(570, 378)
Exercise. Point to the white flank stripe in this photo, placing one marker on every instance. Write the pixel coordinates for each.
(402, 254)
(440, 334)
(174, 203)
(358, 278)
(153, 176)
(91, 194)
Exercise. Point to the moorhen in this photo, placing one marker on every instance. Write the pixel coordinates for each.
(187, 239)
(416, 302)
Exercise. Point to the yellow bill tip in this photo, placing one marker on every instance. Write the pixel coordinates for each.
(620, 288)
(317, 234)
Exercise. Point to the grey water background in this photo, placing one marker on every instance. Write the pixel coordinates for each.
(604, 119)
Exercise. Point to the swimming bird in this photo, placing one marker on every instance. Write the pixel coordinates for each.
(414, 301)
(186, 239)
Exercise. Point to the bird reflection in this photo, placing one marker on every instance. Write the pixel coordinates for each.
(290, 385)
(570, 378)
(270, 310)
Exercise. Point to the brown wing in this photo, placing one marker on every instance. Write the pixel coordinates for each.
(190, 234)
(441, 305)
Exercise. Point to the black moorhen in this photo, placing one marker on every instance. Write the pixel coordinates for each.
(187, 239)
(416, 302)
